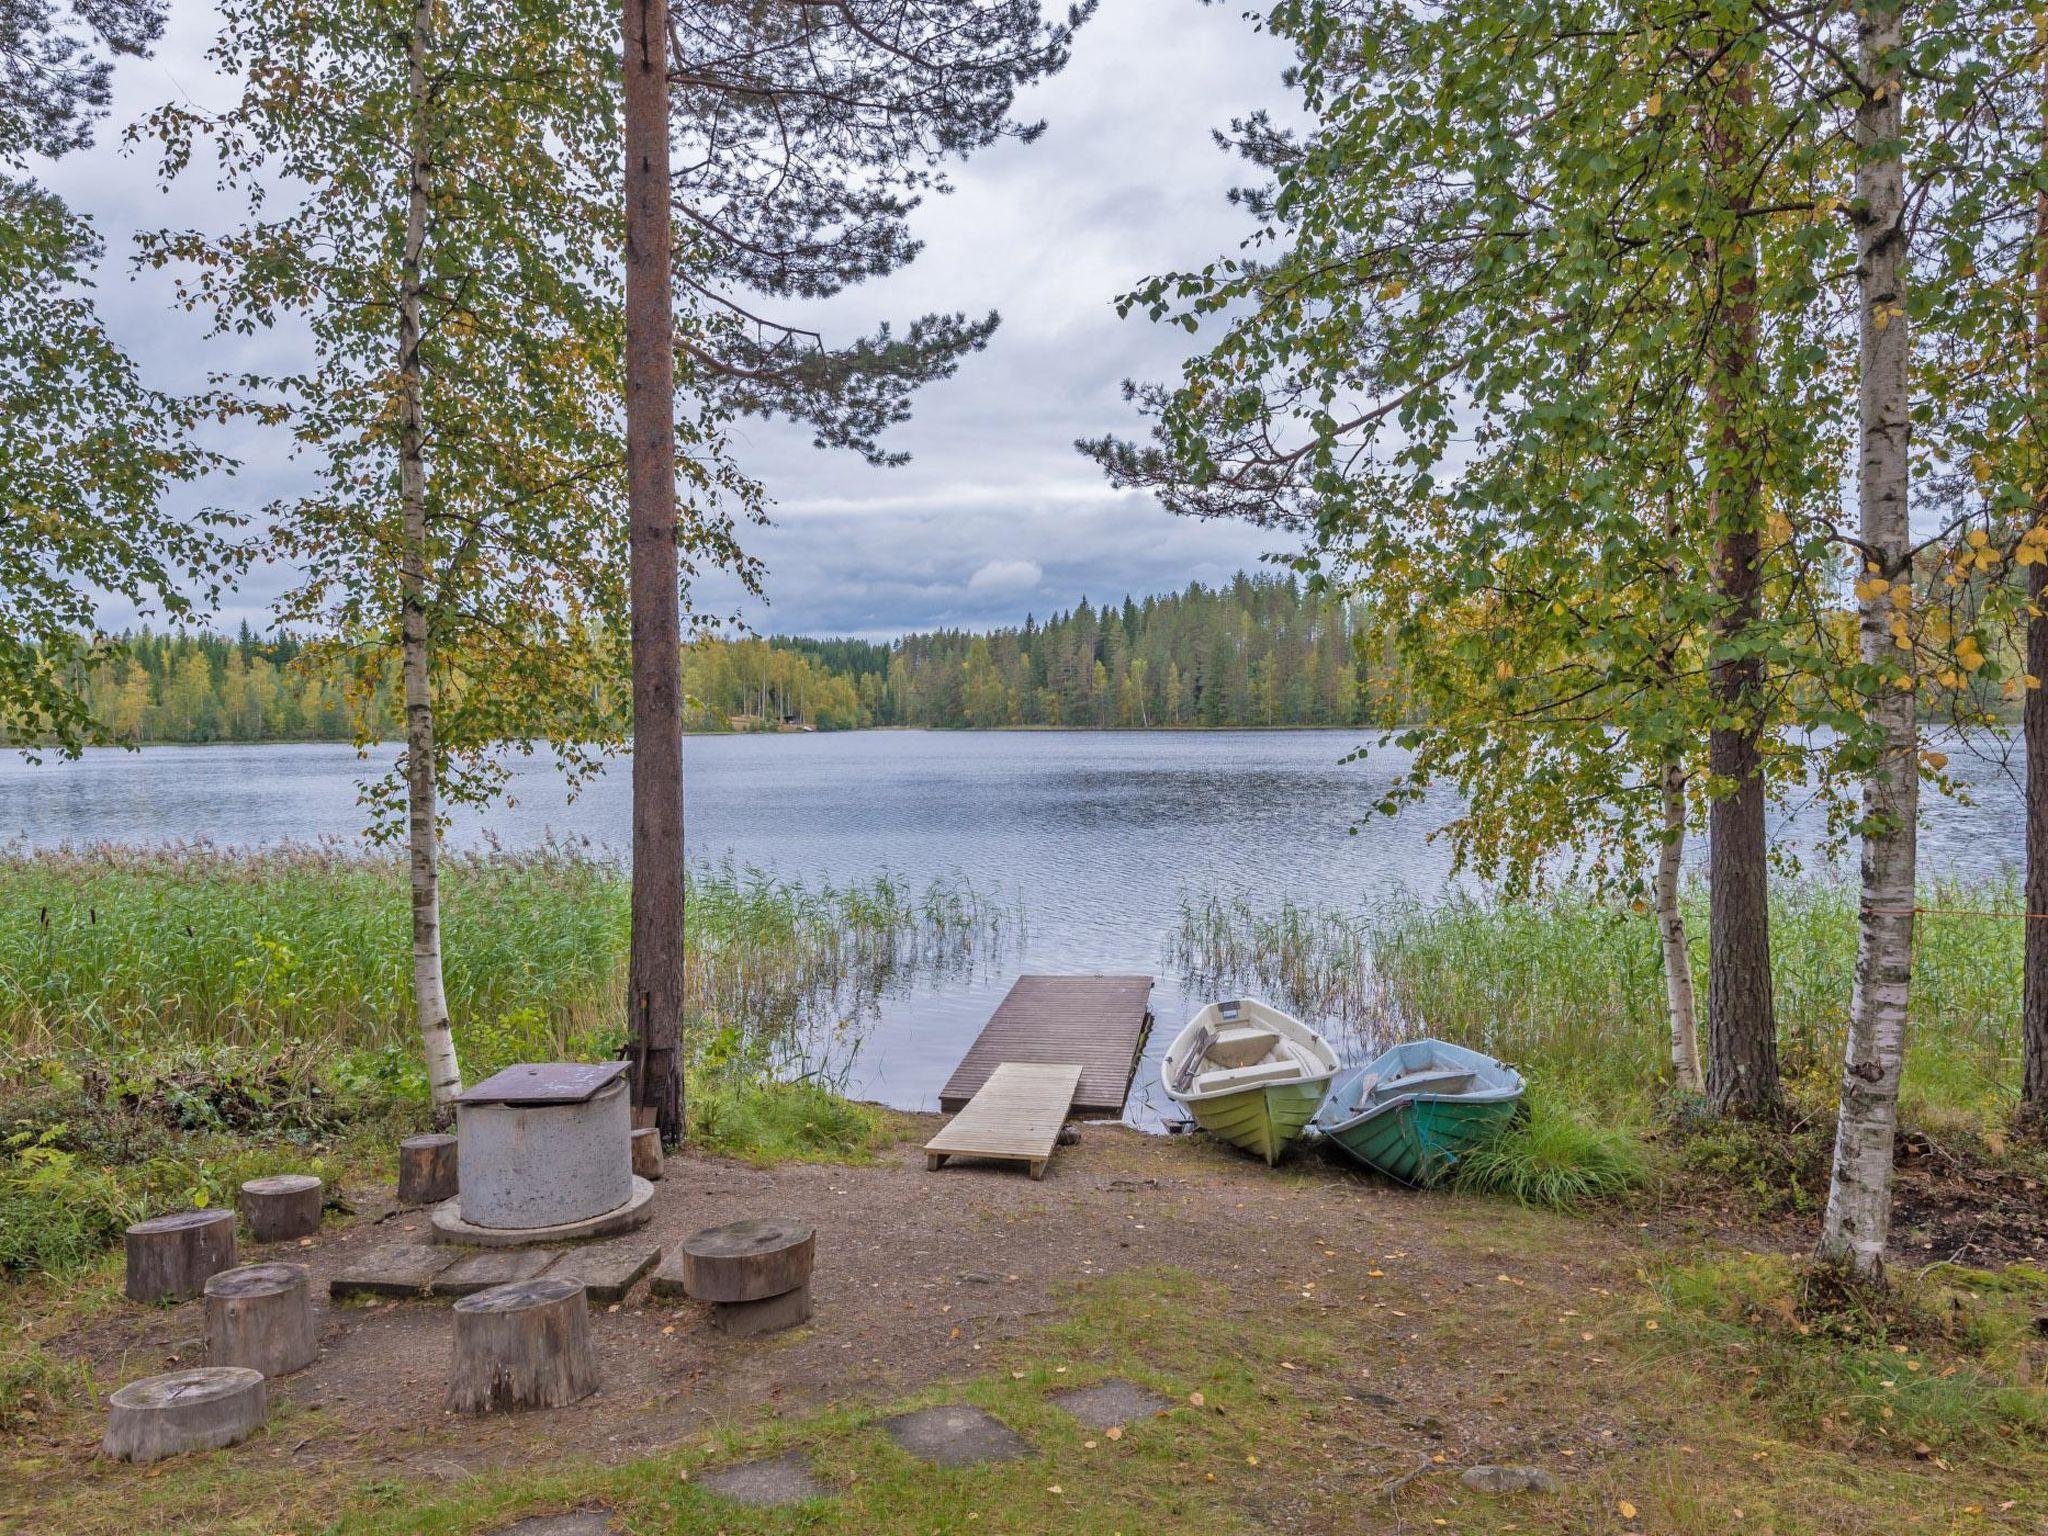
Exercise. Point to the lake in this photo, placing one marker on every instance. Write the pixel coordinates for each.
(1092, 836)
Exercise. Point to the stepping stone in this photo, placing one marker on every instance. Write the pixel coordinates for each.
(585, 1522)
(608, 1270)
(956, 1435)
(406, 1271)
(767, 1484)
(1111, 1402)
(493, 1266)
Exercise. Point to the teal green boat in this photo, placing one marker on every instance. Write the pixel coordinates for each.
(1412, 1112)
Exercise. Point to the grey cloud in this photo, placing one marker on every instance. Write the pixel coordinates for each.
(1125, 182)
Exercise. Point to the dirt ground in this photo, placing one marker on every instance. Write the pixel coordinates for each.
(918, 1273)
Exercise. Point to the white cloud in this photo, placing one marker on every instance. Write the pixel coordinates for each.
(996, 511)
(1006, 576)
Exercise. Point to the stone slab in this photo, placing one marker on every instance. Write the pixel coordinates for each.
(1111, 1402)
(609, 1271)
(404, 1271)
(771, 1484)
(584, 1522)
(956, 1435)
(449, 1227)
(487, 1267)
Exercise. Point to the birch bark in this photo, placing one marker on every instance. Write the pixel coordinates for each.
(430, 1002)
(1858, 1216)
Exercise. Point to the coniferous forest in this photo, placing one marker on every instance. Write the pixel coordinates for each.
(1262, 651)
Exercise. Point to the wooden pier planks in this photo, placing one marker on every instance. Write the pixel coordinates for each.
(1095, 1022)
(1016, 1116)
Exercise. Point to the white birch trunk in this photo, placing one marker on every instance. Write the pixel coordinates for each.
(1858, 1217)
(430, 1002)
(1678, 988)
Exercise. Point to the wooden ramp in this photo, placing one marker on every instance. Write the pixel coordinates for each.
(1015, 1116)
(1097, 1022)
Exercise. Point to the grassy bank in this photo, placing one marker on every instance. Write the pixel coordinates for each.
(1569, 986)
(178, 1020)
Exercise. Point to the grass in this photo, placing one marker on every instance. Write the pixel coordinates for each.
(1271, 1428)
(1556, 1157)
(1945, 1362)
(180, 1019)
(1569, 988)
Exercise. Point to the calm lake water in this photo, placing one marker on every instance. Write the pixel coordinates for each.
(1093, 836)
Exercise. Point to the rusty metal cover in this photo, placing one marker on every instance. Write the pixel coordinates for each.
(545, 1082)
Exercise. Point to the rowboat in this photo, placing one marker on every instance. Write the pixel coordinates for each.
(1249, 1074)
(1413, 1111)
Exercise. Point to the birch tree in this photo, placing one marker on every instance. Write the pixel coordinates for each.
(432, 200)
(1524, 344)
(1857, 1220)
(89, 452)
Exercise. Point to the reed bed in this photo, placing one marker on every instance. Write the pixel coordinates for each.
(108, 951)
(1568, 985)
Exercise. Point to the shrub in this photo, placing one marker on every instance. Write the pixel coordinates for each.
(1555, 1156)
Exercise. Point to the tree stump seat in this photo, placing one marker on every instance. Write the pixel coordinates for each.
(427, 1169)
(522, 1345)
(282, 1207)
(261, 1316)
(189, 1410)
(748, 1260)
(170, 1258)
(647, 1152)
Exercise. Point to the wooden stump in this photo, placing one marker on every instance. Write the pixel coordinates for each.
(748, 1260)
(192, 1410)
(647, 1152)
(170, 1258)
(282, 1207)
(426, 1170)
(744, 1319)
(261, 1316)
(523, 1345)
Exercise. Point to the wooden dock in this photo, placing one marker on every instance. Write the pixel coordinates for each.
(1015, 1117)
(1095, 1022)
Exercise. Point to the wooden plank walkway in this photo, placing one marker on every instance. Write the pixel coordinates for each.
(1015, 1116)
(1097, 1022)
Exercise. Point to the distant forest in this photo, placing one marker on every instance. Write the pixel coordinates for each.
(1258, 652)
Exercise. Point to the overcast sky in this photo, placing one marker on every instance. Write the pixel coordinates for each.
(996, 516)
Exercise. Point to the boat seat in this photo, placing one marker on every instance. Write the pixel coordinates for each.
(1241, 1045)
(1444, 1080)
(1227, 1079)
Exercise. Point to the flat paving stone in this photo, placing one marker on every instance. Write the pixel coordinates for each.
(402, 1271)
(475, 1272)
(585, 1522)
(786, 1479)
(956, 1435)
(608, 1270)
(1111, 1402)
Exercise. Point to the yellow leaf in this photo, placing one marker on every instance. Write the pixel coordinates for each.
(1628, 1510)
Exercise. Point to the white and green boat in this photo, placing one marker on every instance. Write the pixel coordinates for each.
(1249, 1074)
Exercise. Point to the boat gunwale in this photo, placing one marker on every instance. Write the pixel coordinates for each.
(1483, 1096)
(1314, 1041)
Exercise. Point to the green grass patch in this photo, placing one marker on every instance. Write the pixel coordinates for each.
(1555, 1156)
(774, 1122)
(1942, 1362)
(1569, 986)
